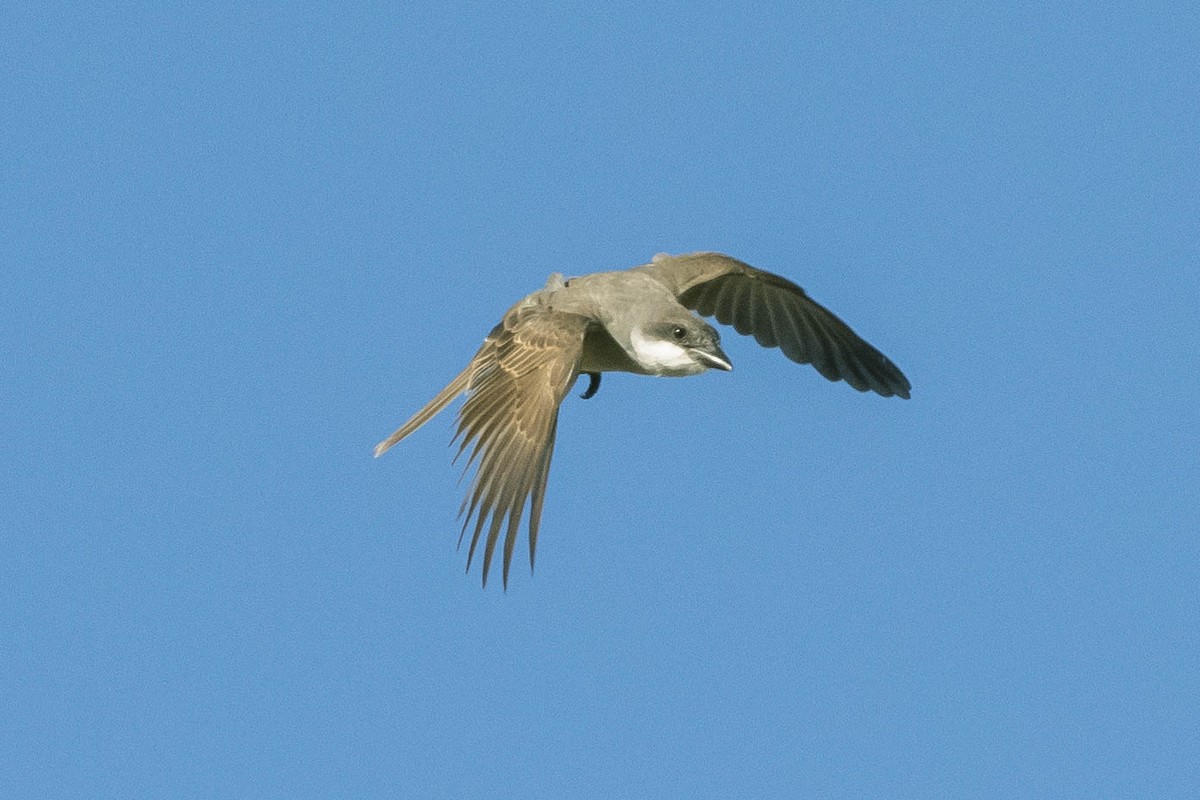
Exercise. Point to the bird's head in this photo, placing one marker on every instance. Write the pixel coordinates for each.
(682, 344)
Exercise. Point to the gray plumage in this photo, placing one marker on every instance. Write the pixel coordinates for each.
(640, 321)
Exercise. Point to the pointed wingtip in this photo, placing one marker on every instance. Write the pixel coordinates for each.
(386, 445)
(899, 385)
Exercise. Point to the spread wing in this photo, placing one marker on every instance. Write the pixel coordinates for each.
(777, 313)
(508, 424)
(514, 386)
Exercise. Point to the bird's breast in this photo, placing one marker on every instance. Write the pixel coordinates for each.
(602, 353)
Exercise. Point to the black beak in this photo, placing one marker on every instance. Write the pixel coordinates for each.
(713, 356)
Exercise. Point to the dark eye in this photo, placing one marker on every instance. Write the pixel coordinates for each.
(679, 333)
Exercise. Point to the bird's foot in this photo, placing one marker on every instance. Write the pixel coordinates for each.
(593, 385)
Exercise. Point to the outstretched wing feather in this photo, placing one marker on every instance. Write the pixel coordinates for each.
(508, 424)
(778, 313)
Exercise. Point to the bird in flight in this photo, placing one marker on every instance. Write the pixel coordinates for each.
(642, 320)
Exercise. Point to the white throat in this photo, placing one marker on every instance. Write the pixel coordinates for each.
(661, 357)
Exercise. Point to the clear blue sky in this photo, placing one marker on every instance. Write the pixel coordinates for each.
(242, 242)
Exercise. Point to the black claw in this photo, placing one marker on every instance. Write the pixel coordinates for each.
(593, 385)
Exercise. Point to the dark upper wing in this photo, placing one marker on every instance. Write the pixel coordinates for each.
(777, 313)
(520, 376)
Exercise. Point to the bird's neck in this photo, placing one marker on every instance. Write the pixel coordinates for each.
(662, 357)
